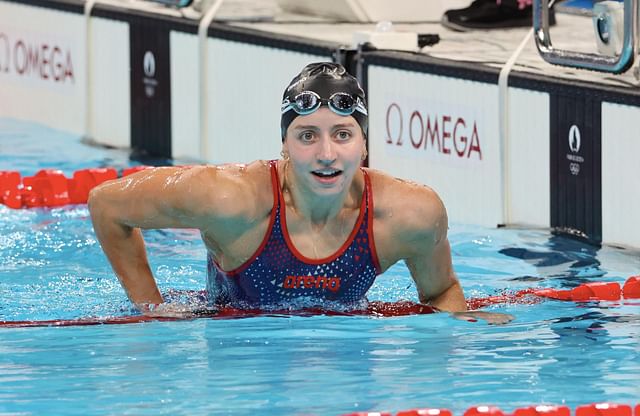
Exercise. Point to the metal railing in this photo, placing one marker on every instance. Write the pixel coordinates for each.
(593, 61)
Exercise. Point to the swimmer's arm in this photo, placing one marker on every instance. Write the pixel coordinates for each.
(124, 248)
(435, 279)
(151, 199)
(430, 262)
(432, 270)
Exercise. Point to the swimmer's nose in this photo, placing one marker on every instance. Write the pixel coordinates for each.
(327, 151)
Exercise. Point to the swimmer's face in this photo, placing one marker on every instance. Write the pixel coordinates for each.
(325, 150)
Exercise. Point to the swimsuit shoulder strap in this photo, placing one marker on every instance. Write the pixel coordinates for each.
(275, 184)
(368, 194)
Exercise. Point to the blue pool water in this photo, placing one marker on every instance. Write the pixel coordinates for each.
(53, 268)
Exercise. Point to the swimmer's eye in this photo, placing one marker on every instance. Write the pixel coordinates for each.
(307, 136)
(343, 135)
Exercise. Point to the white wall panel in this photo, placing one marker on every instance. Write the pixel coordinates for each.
(620, 173)
(110, 83)
(185, 104)
(245, 91)
(528, 169)
(461, 161)
(42, 66)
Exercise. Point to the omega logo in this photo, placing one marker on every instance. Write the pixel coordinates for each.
(444, 134)
(43, 59)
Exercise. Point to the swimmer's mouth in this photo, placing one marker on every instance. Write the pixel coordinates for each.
(327, 173)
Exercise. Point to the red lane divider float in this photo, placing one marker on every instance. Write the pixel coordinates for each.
(424, 412)
(50, 188)
(596, 291)
(594, 409)
(586, 292)
(374, 308)
(543, 411)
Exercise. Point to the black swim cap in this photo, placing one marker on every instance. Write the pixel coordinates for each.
(325, 79)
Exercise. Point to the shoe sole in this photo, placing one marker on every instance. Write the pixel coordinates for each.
(510, 24)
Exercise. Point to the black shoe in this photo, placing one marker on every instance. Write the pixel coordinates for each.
(487, 14)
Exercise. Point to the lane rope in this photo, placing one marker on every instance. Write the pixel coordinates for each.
(588, 292)
(50, 188)
(592, 409)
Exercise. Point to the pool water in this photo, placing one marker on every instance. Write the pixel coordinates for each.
(53, 268)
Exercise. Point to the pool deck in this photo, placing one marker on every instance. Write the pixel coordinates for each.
(489, 48)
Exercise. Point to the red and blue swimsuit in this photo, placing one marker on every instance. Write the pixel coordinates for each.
(278, 274)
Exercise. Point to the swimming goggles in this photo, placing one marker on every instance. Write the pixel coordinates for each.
(340, 103)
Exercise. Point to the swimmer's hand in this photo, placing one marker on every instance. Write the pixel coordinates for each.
(165, 310)
(492, 318)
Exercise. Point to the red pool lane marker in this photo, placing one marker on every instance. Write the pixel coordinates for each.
(424, 412)
(594, 409)
(369, 414)
(586, 292)
(85, 180)
(9, 182)
(525, 296)
(401, 308)
(543, 410)
(604, 409)
(631, 289)
(598, 291)
(483, 411)
(380, 309)
(84, 321)
(50, 188)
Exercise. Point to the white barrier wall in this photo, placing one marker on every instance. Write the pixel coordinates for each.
(620, 174)
(185, 91)
(442, 132)
(528, 158)
(42, 66)
(110, 121)
(245, 92)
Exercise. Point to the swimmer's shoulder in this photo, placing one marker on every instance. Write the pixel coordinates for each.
(406, 204)
(231, 190)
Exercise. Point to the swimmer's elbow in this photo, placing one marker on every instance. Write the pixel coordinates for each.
(106, 216)
(450, 300)
(93, 194)
(93, 201)
(100, 204)
(96, 200)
